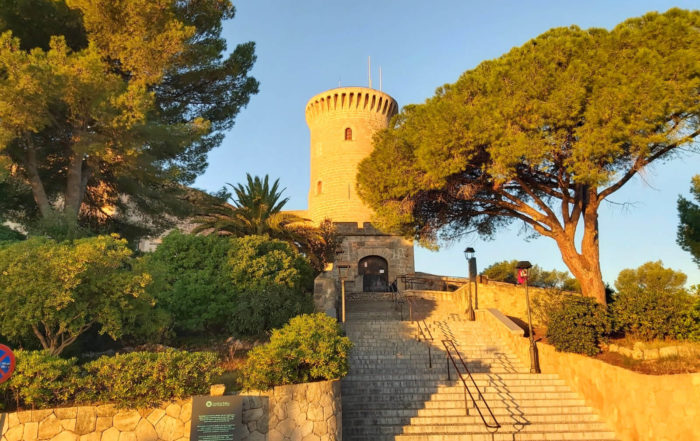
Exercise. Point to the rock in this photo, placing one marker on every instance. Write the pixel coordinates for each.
(252, 415)
(627, 352)
(66, 436)
(110, 434)
(315, 412)
(25, 416)
(31, 432)
(11, 421)
(85, 420)
(169, 428)
(320, 428)
(68, 424)
(65, 413)
(307, 428)
(14, 434)
(613, 347)
(126, 421)
(106, 410)
(217, 390)
(275, 436)
(311, 437)
(49, 428)
(668, 351)
(39, 415)
(94, 436)
(173, 410)
(256, 436)
(638, 354)
(145, 431)
(155, 416)
(186, 412)
(651, 354)
(638, 346)
(103, 423)
(127, 436)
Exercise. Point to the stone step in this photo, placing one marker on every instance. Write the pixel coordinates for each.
(459, 404)
(476, 427)
(500, 436)
(583, 412)
(484, 388)
(480, 381)
(438, 375)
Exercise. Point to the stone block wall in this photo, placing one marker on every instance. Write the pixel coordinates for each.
(307, 412)
(639, 407)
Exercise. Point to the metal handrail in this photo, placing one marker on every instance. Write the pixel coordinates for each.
(450, 357)
(426, 338)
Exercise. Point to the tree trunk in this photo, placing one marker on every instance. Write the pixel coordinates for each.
(74, 185)
(42, 201)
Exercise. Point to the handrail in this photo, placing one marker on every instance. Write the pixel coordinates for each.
(426, 338)
(450, 357)
(396, 297)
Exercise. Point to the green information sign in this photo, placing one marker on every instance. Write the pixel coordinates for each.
(216, 418)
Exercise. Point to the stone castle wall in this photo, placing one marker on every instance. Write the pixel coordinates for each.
(306, 412)
(334, 159)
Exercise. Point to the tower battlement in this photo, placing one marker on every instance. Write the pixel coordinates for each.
(347, 100)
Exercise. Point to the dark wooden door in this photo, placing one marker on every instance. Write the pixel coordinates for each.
(375, 274)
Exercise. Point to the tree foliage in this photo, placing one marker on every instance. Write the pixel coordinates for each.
(107, 109)
(505, 271)
(543, 135)
(57, 291)
(578, 324)
(689, 226)
(651, 302)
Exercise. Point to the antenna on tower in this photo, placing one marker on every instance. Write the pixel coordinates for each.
(380, 78)
(369, 70)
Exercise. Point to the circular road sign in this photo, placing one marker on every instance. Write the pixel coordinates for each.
(7, 363)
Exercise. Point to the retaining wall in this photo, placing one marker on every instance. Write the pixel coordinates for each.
(307, 412)
(639, 407)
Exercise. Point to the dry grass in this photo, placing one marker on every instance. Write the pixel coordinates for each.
(662, 366)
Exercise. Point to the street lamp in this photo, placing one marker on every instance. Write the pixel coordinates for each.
(523, 267)
(471, 263)
(341, 269)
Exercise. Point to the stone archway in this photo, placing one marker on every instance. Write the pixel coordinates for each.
(375, 274)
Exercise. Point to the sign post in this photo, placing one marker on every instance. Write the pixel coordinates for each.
(7, 363)
(216, 418)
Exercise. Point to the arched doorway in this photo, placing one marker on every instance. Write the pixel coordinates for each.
(375, 274)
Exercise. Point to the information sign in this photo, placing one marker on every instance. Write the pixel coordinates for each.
(216, 418)
(7, 363)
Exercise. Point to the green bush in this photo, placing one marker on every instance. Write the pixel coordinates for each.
(41, 380)
(9, 235)
(544, 303)
(651, 303)
(245, 286)
(578, 325)
(136, 379)
(145, 379)
(309, 348)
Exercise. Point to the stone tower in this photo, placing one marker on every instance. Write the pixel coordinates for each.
(342, 123)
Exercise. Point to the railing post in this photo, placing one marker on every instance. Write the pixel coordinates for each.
(430, 358)
(466, 406)
(447, 359)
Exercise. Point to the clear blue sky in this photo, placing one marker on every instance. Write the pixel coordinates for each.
(305, 47)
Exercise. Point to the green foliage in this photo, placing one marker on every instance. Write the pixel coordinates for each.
(136, 379)
(256, 209)
(41, 380)
(191, 281)
(244, 286)
(578, 325)
(689, 226)
(58, 290)
(541, 135)
(651, 303)
(9, 235)
(143, 379)
(544, 303)
(309, 348)
(99, 100)
(504, 271)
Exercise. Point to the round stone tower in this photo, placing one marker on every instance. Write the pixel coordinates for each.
(342, 122)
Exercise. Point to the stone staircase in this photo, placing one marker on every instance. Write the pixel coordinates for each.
(392, 393)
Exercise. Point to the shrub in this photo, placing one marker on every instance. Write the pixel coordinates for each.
(145, 379)
(578, 325)
(309, 348)
(544, 303)
(42, 380)
(8, 235)
(652, 303)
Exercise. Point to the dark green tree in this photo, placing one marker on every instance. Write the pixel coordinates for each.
(109, 134)
(689, 227)
(542, 135)
(504, 271)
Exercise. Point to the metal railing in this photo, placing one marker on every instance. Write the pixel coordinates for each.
(450, 348)
(427, 337)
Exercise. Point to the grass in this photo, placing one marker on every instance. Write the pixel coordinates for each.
(662, 366)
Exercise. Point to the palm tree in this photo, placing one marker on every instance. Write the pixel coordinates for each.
(256, 209)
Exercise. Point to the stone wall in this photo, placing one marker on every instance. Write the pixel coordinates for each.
(307, 412)
(639, 407)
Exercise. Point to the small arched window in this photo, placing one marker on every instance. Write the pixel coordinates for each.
(348, 134)
(319, 187)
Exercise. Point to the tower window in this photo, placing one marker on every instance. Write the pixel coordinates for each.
(319, 187)
(348, 134)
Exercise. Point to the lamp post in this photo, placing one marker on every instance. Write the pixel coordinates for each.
(523, 267)
(471, 263)
(342, 268)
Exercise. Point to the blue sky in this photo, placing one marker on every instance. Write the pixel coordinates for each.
(305, 47)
